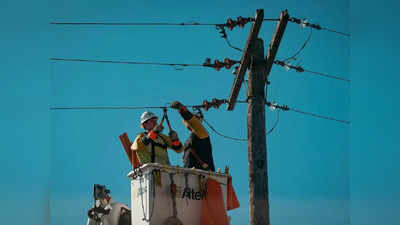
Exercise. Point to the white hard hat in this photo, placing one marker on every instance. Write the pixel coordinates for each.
(146, 116)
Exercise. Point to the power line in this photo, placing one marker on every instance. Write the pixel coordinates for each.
(135, 24)
(276, 122)
(304, 23)
(319, 116)
(126, 62)
(327, 75)
(300, 69)
(345, 34)
(231, 23)
(286, 108)
(206, 105)
(222, 135)
(301, 48)
(270, 19)
(105, 107)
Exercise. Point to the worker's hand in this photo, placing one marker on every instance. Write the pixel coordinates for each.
(173, 135)
(176, 105)
(158, 128)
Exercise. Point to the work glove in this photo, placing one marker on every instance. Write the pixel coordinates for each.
(158, 128)
(173, 135)
(176, 105)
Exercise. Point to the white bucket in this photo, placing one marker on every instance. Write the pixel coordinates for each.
(152, 204)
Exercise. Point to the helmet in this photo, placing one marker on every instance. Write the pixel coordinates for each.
(146, 116)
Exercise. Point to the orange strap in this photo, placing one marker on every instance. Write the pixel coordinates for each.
(152, 135)
(176, 143)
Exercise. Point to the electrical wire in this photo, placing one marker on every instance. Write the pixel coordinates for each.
(148, 24)
(327, 75)
(222, 135)
(135, 24)
(269, 104)
(105, 107)
(276, 122)
(319, 116)
(230, 45)
(301, 69)
(126, 62)
(271, 19)
(301, 48)
(338, 32)
(315, 26)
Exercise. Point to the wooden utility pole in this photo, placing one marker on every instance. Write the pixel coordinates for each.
(257, 147)
(253, 55)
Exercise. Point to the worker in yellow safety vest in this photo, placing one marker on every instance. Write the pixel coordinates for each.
(198, 150)
(151, 145)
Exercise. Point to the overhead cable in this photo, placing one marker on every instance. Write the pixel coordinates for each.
(227, 63)
(105, 107)
(303, 23)
(319, 116)
(300, 69)
(276, 122)
(124, 62)
(215, 103)
(222, 135)
(231, 23)
(135, 24)
(286, 108)
(293, 57)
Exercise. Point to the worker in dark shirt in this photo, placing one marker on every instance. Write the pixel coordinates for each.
(198, 150)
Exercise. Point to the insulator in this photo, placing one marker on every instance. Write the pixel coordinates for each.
(228, 63)
(242, 21)
(206, 105)
(218, 64)
(230, 24)
(217, 102)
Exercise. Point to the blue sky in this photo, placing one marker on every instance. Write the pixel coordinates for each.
(320, 171)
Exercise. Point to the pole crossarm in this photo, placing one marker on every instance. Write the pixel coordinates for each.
(276, 40)
(245, 60)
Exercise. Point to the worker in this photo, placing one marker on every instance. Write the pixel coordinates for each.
(151, 145)
(197, 148)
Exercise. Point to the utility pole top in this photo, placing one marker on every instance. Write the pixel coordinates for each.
(245, 60)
